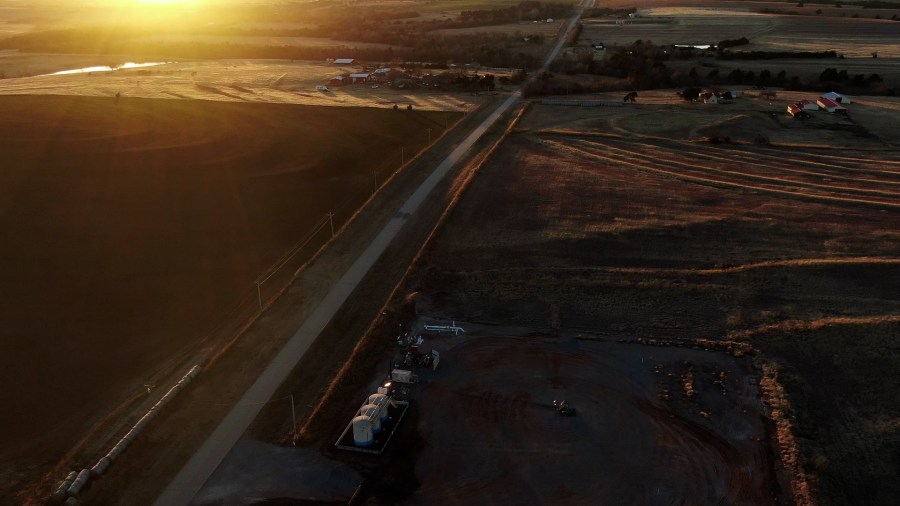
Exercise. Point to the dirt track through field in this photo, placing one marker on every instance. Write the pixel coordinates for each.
(749, 171)
(493, 436)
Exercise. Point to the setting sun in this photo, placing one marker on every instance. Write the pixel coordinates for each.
(165, 2)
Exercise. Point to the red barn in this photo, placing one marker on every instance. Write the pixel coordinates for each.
(831, 106)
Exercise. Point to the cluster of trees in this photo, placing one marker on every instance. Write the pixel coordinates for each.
(642, 65)
(725, 44)
(490, 49)
(818, 12)
(606, 12)
(641, 62)
(771, 55)
(524, 11)
(548, 84)
(832, 76)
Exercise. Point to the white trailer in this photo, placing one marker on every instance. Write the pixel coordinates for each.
(404, 376)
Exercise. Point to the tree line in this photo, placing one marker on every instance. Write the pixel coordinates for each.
(642, 65)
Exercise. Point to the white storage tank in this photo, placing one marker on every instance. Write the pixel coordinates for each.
(362, 431)
(374, 414)
(381, 401)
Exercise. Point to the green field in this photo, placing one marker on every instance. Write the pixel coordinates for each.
(131, 227)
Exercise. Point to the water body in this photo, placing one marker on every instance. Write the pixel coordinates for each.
(106, 68)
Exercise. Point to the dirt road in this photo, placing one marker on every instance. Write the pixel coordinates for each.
(152, 461)
(207, 458)
(210, 455)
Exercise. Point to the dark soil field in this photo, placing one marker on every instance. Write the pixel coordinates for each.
(492, 435)
(132, 228)
(583, 225)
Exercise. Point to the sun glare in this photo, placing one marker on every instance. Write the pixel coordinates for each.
(164, 2)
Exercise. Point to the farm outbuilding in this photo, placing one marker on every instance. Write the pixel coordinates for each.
(831, 106)
(795, 110)
(837, 97)
(808, 105)
(344, 61)
(359, 78)
(336, 80)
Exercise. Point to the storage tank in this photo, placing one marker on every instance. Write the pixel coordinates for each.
(381, 401)
(362, 431)
(372, 411)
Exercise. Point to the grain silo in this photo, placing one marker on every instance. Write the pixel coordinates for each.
(381, 401)
(362, 431)
(374, 414)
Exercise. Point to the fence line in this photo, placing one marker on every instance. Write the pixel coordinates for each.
(581, 103)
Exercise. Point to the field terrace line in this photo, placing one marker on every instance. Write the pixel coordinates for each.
(204, 462)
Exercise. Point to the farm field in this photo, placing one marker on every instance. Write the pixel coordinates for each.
(491, 434)
(593, 238)
(133, 227)
(595, 247)
(852, 37)
(265, 81)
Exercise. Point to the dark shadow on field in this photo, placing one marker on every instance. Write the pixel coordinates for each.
(242, 89)
(212, 89)
(177, 95)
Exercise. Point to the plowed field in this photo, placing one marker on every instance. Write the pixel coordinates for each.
(591, 228)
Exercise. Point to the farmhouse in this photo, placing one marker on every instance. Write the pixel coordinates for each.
(709, 97)
(716, 96)
(837, 97)
(831, 106)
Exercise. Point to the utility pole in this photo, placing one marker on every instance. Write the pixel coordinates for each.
(331, 222)
(375, 176)
(259, 294)
(429, 136)
(293, 423)
(402, 156)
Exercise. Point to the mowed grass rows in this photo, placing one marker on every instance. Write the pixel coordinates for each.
(131, 226)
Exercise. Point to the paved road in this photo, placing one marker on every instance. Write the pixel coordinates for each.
(204, 462)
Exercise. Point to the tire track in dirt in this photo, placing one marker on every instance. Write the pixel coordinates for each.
(698, 176)
(796, 263)
(847, 164)
(835, 175)
(629, 153)
(820, 155)
(703, 457)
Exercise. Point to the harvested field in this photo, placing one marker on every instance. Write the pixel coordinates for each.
(545, 29)
(265, 81)
(852, 37)
(591, 223)
(134, 228)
